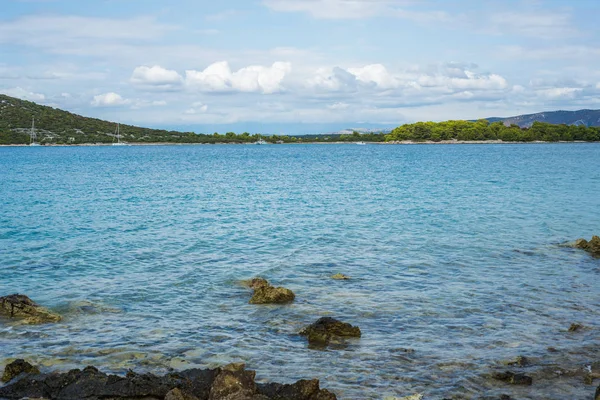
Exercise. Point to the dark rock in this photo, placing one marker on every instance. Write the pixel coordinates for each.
(21, 306)
(513, 378)
(597, 395)
(178, 394)
(272, 295)
(17, 368)
(575, 327)
(232, 382)
(505, 397)
(326, 328)
(255, 283)
(301, 390)
(592, 247)
(520, 361)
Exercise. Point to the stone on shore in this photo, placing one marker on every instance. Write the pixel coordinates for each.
(321, 332)
(17, 368)
(22, 307)
(592, 247)
(513, 378)
(340, 277)
(264, 293)
(232, 382)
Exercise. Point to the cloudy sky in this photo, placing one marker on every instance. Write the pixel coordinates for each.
(300, 65)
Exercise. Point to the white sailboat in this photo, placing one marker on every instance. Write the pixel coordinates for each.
(32, 135)
(118, 136)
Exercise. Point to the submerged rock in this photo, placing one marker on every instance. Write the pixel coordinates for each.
(520, 361)
(232, 382)
(264, 293)
(340, 277)
(321, 332)
(21, 306)
(513, 378)
(592, 247)
(16, 368)
(575, 327)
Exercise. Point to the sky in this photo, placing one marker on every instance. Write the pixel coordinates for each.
(300, 66)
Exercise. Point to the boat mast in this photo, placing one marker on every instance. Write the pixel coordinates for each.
(32, 133)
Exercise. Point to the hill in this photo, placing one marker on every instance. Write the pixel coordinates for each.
(579, 117)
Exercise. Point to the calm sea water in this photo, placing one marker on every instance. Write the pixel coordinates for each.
(454, 252)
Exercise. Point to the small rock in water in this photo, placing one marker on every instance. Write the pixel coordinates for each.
(264, 293)
(512, 378)
(592, 247)
(340, 277)
(326, 328)
(16, 368)
(21, 306)
(520, 361)
(575, 327)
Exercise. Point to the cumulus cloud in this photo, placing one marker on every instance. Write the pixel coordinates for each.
(218, 77)
(110, 99)
(197, 108)
(156, 76)
(559, 93)
(21, 93)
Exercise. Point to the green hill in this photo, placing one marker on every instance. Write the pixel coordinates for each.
(54, 126)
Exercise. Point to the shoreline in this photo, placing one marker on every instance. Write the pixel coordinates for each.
(396, 142)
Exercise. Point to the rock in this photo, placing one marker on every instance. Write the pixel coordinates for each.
(513, 378)
(233, 383)
(326, 328)
(255, 283)
(301, 390)
(21, 306)
(592, 247)
(520, 361)
(340, 277)
(575, 327)
(178, 394)
(597, 395)
(417, 396)
(272, 295)
(16, 368)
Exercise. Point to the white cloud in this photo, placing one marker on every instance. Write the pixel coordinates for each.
(559, 93)
(218, 77)
(336, 9)
(156, 76)
(110, 99)
(21, 93)
(197, 108)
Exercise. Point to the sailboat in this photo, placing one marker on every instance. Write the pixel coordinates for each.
(32, 135)
(118, 136)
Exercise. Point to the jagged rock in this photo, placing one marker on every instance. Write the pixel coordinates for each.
(513, 378)
(178, 394)
(340, 277)
(272, 295)
(321, 332)
(231, 382)
(575, 327)
(16, 368)
(592, 247)
(301, 390)
(21, 306)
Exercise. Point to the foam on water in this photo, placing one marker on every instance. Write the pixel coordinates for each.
(454, 254)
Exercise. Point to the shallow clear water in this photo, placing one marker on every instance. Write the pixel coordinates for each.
(454, 252)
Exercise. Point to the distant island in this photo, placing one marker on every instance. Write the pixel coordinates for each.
(59, 127)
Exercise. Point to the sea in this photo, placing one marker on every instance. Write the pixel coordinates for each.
(458, 257)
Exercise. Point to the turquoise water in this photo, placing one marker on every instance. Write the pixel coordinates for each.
(454, 251)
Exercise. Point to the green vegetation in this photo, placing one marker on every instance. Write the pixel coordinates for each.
(54, 126)
(483, 130)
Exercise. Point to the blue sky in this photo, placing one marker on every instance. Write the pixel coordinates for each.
(300, 65)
